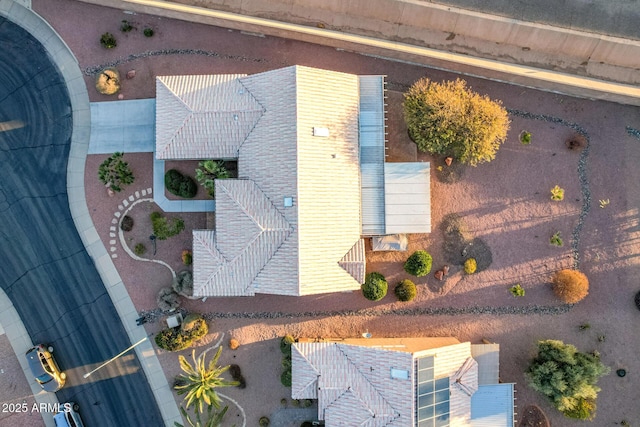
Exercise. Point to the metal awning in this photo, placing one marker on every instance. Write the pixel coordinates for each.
(407, 195)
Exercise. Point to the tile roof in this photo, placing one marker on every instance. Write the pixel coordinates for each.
(273, 139)
(200, 117)
(354, 386)
(254, 230)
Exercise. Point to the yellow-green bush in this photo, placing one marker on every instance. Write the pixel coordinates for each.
(470, 266)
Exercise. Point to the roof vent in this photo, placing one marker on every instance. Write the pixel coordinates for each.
(235, 117)
(320, 132)
(288, 202)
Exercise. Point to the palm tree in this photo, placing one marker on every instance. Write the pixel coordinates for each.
(200, 380)
(211, 170)
(214, 419)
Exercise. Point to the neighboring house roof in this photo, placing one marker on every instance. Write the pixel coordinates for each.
(386, 381)
(282, 158)
(200, 117)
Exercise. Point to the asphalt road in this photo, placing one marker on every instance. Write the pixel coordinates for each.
(46, 271)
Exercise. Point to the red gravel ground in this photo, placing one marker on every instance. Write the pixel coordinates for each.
(506, 203)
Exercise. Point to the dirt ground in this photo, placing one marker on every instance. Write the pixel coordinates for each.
(506, 204)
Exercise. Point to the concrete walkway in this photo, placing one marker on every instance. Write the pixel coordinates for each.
(21, 14)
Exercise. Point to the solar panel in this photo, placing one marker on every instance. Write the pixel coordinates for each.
(432, 396)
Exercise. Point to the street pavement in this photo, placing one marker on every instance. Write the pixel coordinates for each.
(610, 17)
(47, 273)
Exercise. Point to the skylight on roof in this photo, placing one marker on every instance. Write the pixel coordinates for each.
(399, 374)
(317, 131)
(432, 396)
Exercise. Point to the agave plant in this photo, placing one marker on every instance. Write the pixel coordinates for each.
(199, 381)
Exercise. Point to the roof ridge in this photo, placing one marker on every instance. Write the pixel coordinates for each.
(393, 413)
(308, 362)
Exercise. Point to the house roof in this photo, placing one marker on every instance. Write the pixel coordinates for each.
(232, 257)
(361, 381)
(284, 157)
(199, 117)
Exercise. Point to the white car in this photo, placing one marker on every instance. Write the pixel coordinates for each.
(68, 416)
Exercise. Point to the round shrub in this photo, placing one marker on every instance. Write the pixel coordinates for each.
(570, 286)
(108, 41)
(139, 249)
(375, 287)
(108, 81)
(127, 223)
(418, 264)
(148, 32)
(406, 290)
(285, 378)
(180, 185)
(470, 266)
(264, 421)
(187, 257)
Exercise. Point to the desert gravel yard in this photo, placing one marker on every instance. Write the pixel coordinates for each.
(505, 206)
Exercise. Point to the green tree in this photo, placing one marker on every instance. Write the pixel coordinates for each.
(115, 172)
(448, 118)
(211, 170)
(200, 381)
(566, 377)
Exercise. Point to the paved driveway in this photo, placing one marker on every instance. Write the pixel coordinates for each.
(45, 269)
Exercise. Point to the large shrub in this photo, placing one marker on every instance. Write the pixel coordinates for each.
(375, 287)
(192, 329)
(167, 299)
(418, 264)
(164, 228)
(566, 377)
(406, 290)
(180, 185)
(183, 283)
(570, 286)
(448, 118)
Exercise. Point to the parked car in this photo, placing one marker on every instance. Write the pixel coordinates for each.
(68, 416)
(45, 369)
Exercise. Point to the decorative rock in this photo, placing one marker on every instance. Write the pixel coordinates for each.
(445, 270)
(131, 74)
(448, 161)
(110, 192)
(120, 96)
(438, 274)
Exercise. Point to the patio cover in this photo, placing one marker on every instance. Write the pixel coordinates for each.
(407, 196)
